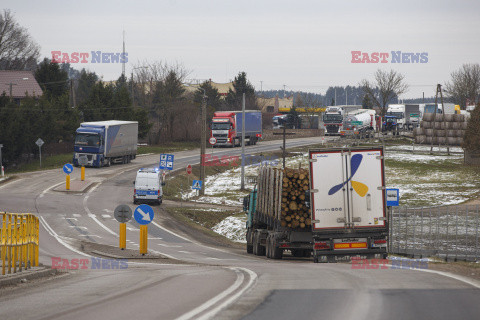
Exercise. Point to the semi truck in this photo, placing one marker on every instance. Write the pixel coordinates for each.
(334, 115)
(226, 127)
(359, 122)
(339, 214)
(102, 143)
(408, 115)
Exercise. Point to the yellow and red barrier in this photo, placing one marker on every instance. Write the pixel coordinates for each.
(18, 241)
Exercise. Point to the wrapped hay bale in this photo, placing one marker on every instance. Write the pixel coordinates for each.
(452, 141)
(429, 132)
(459, 133)
(426, 125)
(427, 117)
(451, 133)
(459, 117)
(438, 117)
(449, 117)
(418, 131)
(440, 140)
(420, 139)
(440, 133)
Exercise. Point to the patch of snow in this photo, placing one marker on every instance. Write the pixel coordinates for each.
(233, 228)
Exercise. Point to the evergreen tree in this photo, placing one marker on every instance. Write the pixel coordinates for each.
(52, 79)
(234, 97)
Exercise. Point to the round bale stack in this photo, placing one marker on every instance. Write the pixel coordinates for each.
(443, 129)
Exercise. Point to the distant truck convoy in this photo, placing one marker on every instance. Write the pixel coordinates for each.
(226, 127)
(105, 142)
(335, 211)
(334, 115)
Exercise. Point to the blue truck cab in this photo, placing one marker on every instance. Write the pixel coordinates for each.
(106, 142)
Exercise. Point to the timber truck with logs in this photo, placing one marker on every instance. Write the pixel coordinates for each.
(335, 211)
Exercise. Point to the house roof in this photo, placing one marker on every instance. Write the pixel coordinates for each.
(22, 82)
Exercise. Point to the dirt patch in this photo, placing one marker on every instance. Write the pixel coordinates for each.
(466, 269)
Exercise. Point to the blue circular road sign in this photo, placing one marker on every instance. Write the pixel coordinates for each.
(143, 214)
(68, 168)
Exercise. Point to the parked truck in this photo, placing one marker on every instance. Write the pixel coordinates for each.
(226, 127)
(334, 115)
(105, 142)
(336, 210)
(408, 115)
(359, 122)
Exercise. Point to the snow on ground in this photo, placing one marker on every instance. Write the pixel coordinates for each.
(233, 228)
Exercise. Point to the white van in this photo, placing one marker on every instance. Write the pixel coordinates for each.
(148, 186)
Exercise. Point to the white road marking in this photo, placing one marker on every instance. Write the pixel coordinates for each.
(153, 238)
(92, 215)
(85, 228)
(55, 235)
(132, 229)
(77, 215)
(184, 251)
(68, 218)
(193, 314)
(106, 216)
(89, 235)
(108, 210)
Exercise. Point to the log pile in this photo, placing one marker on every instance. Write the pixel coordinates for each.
(441, 129)
(294, 213)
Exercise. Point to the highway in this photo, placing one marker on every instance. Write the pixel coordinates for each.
(200, 281)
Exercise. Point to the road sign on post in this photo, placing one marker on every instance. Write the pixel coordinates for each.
(123, 214)
(143, 214)
(189, 169)
(197, 185)
(212, 140)
(40, 143)
(166, 161)
(393, 197)
(67, 168)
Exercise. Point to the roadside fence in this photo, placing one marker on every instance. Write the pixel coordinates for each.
(449, 233)
(18, 241)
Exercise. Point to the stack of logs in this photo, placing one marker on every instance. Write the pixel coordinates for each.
(294, 212)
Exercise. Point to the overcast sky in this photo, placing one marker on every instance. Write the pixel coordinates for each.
(305, 45)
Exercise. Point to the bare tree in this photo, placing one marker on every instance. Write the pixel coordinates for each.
(311, 104)
(18, 51)
(465, 84)
(386, 86)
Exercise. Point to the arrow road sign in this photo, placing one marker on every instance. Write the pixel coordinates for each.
(143, 214)
(197, 184)
(68, 168)
(123, 213)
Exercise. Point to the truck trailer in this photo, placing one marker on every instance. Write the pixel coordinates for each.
(336, 210)
(359, 122)
(226, 127)
(105, 142)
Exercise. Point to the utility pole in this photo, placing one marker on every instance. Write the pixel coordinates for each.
(242, 181)
(335, 96)
(261, 86)
(284, 91)
(72, 94)
(203, 139)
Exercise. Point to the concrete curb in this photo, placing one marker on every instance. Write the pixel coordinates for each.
(30, 274)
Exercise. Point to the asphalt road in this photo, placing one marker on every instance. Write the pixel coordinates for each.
(215, 282)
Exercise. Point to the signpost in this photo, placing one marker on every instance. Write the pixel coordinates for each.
(166, 161)
(67, 168)
(82, 160)
(143, 214)
(40, 143)
(123, 214)
(189, 169)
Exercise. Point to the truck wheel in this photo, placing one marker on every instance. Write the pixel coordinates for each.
(254, 244)
(297, 253)
(107, 162)
(249, 241)
(268, 247)
(257, 247)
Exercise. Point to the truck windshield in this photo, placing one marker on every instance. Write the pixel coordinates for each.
(398, 115)
(87, 139)
(221, 126)
(332, 118)
(430, 108)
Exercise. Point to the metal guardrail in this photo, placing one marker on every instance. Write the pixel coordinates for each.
(449, 233)
(19, 241)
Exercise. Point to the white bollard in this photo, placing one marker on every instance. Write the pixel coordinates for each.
(3, 173)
